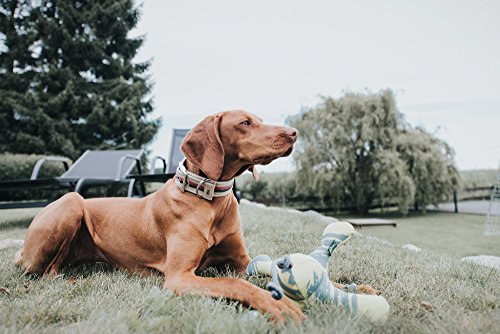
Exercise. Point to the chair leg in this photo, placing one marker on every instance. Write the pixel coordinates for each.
(143, 189)
(131, 186)
(80, 186)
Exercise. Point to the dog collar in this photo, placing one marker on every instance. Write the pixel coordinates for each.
(198, 185)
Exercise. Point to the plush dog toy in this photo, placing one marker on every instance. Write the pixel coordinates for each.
(304, 278)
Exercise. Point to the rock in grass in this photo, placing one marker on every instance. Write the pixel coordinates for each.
(412, 248)
(11, 243)
(484, 260)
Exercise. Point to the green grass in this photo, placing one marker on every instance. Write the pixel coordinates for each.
(456, 235)
(14, 222)
(464, 297)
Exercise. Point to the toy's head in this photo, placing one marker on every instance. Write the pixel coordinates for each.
(298, 276)
(304, 278)
(300, 280)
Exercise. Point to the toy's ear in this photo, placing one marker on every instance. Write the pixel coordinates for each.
(203, 147)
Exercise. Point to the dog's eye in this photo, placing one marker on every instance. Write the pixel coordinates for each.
(247, 123)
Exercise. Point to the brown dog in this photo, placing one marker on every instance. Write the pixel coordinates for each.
(170, 231)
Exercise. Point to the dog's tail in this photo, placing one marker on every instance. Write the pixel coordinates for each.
(7, 243)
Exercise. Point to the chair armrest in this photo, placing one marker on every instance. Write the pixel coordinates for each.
(153, 164)
(119, 169)
(39, 163)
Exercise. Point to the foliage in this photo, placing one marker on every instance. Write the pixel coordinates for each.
(67, 77)
(255, 189)
(271, 187)
(359, 150)
(476, 184)
(430, 164)
(20, 167)
(478, 178)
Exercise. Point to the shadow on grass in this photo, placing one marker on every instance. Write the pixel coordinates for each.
(87, 269)
(78, 272)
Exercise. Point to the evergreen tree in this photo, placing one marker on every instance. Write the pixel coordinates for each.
(68, 80)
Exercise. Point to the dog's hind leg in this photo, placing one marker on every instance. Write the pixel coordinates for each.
(50, 235)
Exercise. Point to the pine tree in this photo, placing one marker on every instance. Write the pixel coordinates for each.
(72, 85)
(17, 67)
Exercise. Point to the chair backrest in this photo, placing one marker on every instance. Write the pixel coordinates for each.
(175, 156)
(103, 164)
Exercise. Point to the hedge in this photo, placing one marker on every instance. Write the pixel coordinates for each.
(20, 167)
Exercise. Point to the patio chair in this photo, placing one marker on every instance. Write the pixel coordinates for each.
(91, 169)
(169, 166)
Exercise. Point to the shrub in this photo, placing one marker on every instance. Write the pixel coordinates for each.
(20, 167)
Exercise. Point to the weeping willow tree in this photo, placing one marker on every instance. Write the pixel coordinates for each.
(358, 150)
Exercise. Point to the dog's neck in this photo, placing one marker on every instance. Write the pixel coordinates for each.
(193, 169)
(229, 171)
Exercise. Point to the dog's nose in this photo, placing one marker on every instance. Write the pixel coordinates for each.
(292, 132)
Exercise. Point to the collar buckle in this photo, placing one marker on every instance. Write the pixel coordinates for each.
(183, 179)
(208, 190)
(202, 187)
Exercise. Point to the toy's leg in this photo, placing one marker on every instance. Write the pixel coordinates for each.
(263, 265)
(375, 308)
(260, 265)
(334, 235)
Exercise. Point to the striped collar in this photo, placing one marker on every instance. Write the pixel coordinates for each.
(203, 187)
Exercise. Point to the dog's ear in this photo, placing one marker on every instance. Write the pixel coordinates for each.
(203, 147)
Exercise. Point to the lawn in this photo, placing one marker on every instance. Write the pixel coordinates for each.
(428, 292)
(457, 235)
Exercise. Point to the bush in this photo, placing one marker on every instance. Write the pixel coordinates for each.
(270, 188)
(478, 178)
(20, 167)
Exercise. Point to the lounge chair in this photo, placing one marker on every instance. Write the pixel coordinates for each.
(169, 166)
(91, 169)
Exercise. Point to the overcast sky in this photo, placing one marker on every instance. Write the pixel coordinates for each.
(442, 58)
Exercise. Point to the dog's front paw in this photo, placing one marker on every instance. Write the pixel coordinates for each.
(281, 310)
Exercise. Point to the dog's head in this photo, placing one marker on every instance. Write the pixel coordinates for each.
(226, 144)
